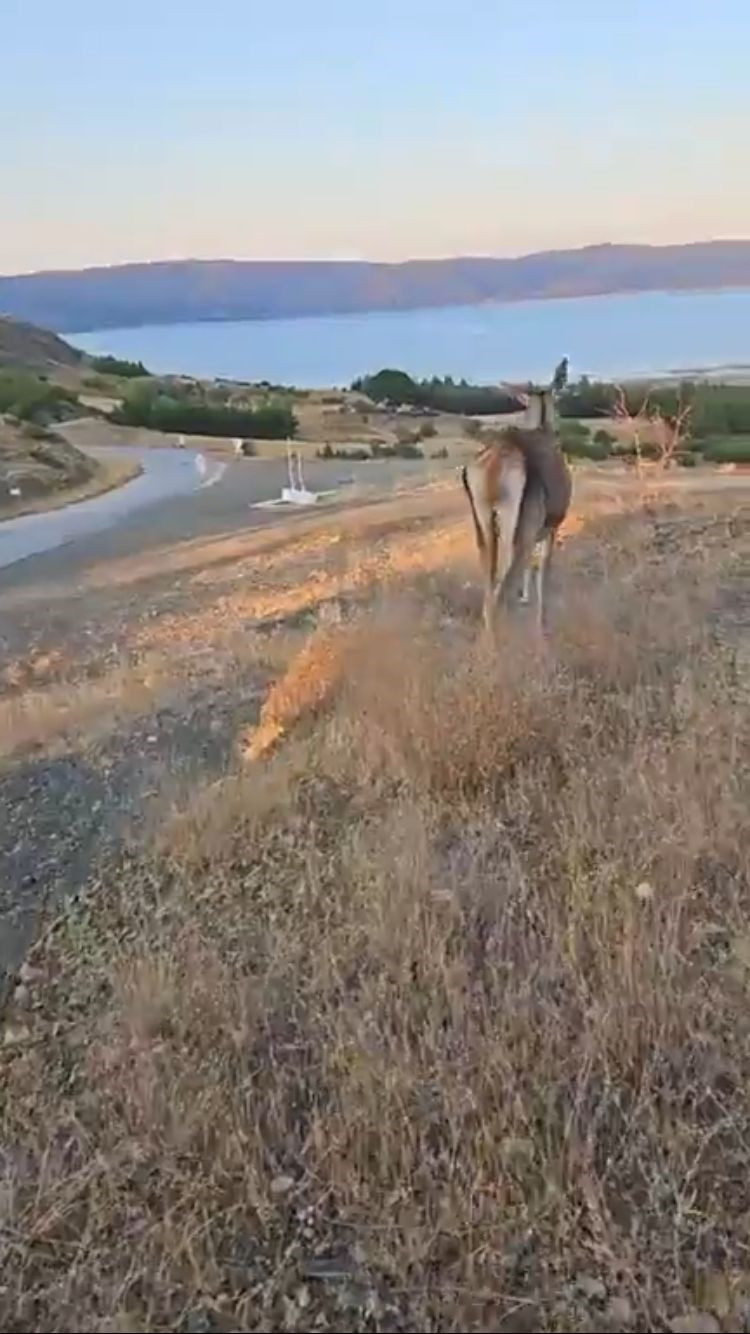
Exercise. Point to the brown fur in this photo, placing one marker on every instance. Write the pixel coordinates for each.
(521, 481)
(545, 463)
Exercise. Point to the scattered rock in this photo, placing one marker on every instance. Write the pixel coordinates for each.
(591, 1287)
(619, 1314)
(282, 1185)
(644, 891)
(695, 1322)
(16, 1035)
(329, 1268)
(21, 995)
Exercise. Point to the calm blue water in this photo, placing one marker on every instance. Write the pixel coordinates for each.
(609, 335)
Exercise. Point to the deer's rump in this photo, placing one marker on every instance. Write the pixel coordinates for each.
(546, 467)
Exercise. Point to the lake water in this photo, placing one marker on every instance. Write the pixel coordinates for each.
(606, 335)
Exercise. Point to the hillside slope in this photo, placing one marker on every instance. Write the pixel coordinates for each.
(191, 290)
(23, 344)
(33, 466)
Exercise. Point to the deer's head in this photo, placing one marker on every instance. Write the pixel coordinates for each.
(539, 400)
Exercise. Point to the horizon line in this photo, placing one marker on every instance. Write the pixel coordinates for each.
(377, 263)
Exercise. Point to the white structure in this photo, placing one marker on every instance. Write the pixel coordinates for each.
(296, 493)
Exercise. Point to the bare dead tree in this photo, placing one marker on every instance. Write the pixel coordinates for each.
(670, 431)
(633, 423)
(667, 431)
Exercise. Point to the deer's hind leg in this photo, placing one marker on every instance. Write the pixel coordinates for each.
(542, 576)
(485, 531)
(511, 489)
(527, 532)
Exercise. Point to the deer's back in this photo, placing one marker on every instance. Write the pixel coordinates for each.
(545, 464)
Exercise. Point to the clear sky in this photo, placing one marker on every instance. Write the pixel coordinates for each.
(383, 129)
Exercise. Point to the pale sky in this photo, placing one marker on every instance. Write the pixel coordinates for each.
(154, 129)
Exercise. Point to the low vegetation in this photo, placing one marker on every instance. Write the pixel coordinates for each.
(32, 398)
(436, 1019)
(126, 370)
(732, 449)
(163, 412)
(446, 395)
(402, 449)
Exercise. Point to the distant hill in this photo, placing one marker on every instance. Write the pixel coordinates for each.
(190, 290)
(25, 345)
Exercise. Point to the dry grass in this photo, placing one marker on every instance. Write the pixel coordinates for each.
(108, 477)
(438, 1019)
(67, 711)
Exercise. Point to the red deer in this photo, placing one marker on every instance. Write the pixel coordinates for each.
(519, 489)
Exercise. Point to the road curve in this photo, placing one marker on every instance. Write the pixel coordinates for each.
(180, 495)
(165, 473)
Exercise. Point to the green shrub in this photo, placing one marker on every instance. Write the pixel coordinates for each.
(403, 449)
(357, 455)
(574, 429)
(32, 399)
(577, 443)
(439, 453)
(605, 438)
(446, 395)
(728, 450)
(165, 413)
(427, 431)
(128, 370)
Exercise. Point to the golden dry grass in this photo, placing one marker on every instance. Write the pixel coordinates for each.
(67, 711)
(438, 1018)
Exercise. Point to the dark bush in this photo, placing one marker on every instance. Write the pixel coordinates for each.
(357, 455)
(128, 370)
(605, 438)
(398, 388)
(163, 413)
(730, 450)
(403, 449)
(577, 443)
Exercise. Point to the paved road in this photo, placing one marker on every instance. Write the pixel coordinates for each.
(176, 498)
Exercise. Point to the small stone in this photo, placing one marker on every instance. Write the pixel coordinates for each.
(619, 1313)
(15, 1035)
(695, 1322)
(28, 974)
(713, 1290)
(591, 1287)
(21, 994)
(644, 891)
(282, 1185)
(302, 1297)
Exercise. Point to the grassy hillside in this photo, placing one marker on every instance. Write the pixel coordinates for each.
(434, 1015)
